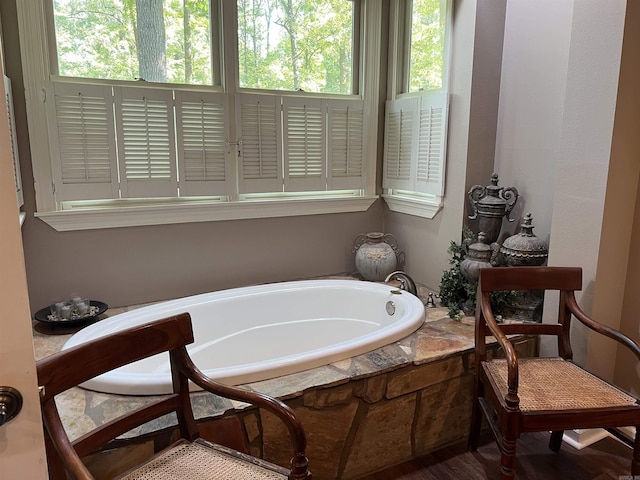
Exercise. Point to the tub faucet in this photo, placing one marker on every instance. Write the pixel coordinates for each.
(406, 282)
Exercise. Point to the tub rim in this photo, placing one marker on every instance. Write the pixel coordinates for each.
(127, 383)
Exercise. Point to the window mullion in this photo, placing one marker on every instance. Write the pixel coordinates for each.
(217, 42)
(229, 77)
(229, 46)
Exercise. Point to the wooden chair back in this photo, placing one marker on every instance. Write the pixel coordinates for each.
(69, 368)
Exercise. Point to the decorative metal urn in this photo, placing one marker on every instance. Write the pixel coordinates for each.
(377, 255)
(490, 204)
(521, 250)
(524, 248)
(478, 256)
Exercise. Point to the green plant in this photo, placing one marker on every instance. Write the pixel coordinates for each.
(457, 292)
(455, 289)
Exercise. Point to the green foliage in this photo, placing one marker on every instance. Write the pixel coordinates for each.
(295, 44)
(427, 45)
(98, 39)
(457, 292)
(282, 44)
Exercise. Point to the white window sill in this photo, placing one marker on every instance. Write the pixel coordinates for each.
(90, 218)
(417, 206)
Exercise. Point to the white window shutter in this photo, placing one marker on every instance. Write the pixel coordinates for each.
(415, 143)
(82, 137)
(432, 142)
(305, 158)
(400, 122)
(346, 144)
(13, 139)
(259, 135)
(146, 142)
(202, 136)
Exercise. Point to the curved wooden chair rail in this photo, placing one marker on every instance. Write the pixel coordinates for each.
(542, 394)
(71, 367)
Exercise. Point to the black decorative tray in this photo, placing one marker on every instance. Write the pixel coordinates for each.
(45, 316)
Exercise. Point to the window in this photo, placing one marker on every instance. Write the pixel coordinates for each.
(154, 40)
(304, 45)
(158, 104)
(427, 47)
(417, 109)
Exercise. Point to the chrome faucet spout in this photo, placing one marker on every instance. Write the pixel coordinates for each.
(406, 282)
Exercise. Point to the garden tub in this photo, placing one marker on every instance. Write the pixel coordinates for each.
(255, 333)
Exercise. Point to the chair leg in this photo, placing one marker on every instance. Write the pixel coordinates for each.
(474, 429)
(476, 416)
(507, 459)
(556, 440)
(635, 461)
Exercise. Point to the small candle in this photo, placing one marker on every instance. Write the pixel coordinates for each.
(65, 312)
(80, 305)
(82, 308)
(56, 307)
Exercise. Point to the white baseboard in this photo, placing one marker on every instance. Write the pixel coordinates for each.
(580, 439)
(629, 432)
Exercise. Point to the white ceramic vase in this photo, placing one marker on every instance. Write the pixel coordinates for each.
(376, 255)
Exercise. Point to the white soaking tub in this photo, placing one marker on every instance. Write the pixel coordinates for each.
(255, 333)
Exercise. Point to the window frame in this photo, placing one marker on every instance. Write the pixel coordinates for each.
(35, 44)
(403, 200)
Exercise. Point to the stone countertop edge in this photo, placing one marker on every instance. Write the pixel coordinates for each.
(438, 337)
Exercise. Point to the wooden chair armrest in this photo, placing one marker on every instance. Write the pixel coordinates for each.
(280, 409)
(599, 327)
(512, 398)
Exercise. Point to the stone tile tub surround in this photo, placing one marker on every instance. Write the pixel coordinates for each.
(361, 415)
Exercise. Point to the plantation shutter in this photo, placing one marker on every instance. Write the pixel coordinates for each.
(82, 138)
(13, 139)
(259, 136)
(202, 143)
(304, 129)
(432, 142)
(415, 143)
(346, 144)
(146, 142)
(299, 144)
(399, 124)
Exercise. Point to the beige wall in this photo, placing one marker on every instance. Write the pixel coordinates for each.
(621, 229)
(626, 370)
(584, 154)
(124, 266)
(532, 91)
(558, 144)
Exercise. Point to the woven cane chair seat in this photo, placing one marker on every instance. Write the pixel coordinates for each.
(555, 384)
(198, 461)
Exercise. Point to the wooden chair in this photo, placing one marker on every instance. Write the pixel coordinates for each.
(189, 458)
(519, 395)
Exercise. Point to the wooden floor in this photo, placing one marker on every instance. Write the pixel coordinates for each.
(604, 460)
